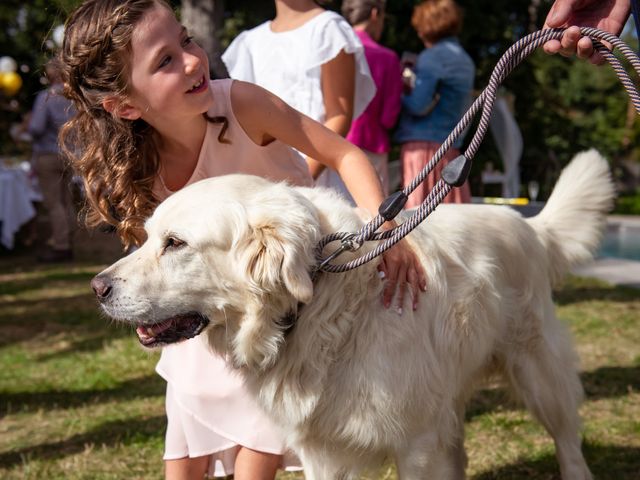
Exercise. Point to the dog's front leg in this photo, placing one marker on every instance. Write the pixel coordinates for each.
(321, 465)
(427, 457)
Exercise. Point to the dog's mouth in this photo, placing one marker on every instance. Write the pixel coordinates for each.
(172, 330)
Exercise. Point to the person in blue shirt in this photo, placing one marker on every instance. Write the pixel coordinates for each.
(444, 76)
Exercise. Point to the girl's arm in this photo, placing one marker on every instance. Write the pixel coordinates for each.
(338, 90)
(265, 117)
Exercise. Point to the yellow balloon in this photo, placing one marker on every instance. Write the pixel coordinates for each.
(11, 83)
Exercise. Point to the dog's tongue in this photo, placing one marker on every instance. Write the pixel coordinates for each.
(154, 329)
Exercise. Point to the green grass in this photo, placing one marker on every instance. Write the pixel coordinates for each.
(79, 398)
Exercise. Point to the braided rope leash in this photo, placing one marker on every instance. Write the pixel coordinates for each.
(455, 173)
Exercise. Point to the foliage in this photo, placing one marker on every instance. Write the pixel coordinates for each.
(628, 205)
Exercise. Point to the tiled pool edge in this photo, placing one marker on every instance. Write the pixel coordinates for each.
(614, 270)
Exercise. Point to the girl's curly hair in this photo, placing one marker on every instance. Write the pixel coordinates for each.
(116, 158)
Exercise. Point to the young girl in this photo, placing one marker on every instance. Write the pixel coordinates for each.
(150, 122)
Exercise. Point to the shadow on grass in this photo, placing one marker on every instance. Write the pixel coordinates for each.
(74, 314)
(607, 462)
(108, 434)
(40, 282)
(579, 290)
(609, 382)
(24, 402)
(604, 382)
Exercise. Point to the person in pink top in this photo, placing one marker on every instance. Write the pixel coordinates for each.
(370, 131)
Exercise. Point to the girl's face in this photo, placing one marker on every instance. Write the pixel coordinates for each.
(169, 71)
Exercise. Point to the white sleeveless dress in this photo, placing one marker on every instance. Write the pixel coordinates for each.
(208, 409)
(289, 63)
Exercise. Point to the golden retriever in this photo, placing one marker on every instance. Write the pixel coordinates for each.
(352, 382)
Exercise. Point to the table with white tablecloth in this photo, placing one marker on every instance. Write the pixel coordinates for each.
(17, 195)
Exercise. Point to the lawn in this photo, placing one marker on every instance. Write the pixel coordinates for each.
(79, 398)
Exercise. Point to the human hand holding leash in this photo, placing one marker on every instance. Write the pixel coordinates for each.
(607, 15)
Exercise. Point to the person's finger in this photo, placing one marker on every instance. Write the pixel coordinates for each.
(559, 13)
(552, 47)
(596, 58)
(413, 283)
(382, 269)
(569, 41)
(401, 289)
(390, 286)
(584, 47)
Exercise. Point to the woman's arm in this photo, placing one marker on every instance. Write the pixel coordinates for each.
(338, 91)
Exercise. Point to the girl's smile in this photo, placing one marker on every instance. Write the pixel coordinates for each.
(200, 86)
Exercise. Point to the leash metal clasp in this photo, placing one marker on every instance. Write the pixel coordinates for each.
(347, 243)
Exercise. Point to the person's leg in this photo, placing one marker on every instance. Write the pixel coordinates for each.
(254, 465)
(186, 468)
(51, 178)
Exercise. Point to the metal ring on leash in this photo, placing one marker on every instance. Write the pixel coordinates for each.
(456, 172)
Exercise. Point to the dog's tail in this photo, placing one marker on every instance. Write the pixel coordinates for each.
(571, 224)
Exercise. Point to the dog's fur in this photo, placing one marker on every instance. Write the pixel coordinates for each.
(354, 382)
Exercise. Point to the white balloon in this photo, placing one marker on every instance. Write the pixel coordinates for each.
(58, 35)
(8, 64)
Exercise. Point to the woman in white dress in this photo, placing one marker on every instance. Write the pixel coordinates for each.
(312, 59)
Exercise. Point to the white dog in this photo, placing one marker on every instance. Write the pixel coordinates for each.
(353, 382)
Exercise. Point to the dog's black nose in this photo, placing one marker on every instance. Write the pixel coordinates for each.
(102, 287)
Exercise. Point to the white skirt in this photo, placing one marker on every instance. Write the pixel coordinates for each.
(209, 411)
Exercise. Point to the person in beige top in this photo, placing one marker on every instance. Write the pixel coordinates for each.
(150, 122)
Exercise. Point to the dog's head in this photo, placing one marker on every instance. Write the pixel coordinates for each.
(232, 254)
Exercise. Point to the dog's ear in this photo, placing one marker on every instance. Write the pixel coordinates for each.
(276, 255)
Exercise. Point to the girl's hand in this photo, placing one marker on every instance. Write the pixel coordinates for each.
(401, 270)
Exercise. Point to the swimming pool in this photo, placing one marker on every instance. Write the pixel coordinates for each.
(621, 240)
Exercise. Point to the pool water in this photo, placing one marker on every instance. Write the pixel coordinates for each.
(621, 241)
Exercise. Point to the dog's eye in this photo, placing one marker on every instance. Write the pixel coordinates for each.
(172, 243)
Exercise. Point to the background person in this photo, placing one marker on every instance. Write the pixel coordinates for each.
(151, 122)
(370, 131)
(444, 69)
(50, 111)
(312, 59)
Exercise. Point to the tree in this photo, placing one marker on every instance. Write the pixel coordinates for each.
(204, 19)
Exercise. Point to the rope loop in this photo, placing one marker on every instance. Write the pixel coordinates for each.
(484, 104)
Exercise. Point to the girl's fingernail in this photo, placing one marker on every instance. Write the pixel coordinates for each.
(399, 310)
(415, 307)
(381, 274)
